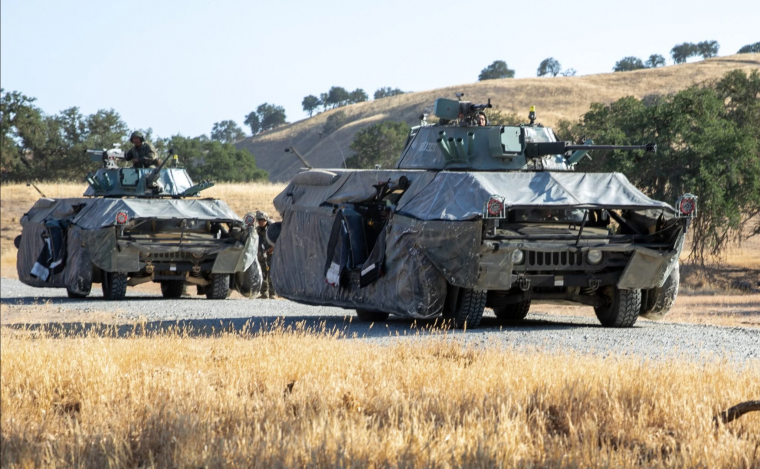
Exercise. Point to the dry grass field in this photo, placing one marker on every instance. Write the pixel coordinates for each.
(298, 398)
(555, 98)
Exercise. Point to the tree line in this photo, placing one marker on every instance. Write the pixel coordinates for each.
(40, 146)
(680, 53)
(338, 96)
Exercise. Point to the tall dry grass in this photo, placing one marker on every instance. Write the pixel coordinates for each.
(302, 398)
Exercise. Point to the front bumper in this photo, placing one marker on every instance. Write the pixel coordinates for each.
(627, 266)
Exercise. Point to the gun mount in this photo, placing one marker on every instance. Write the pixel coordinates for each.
(463, 111)
(115, 181)
(458, 143)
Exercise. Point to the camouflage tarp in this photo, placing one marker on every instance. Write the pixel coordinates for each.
(434, 235)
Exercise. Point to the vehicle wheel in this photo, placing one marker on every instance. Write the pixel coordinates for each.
(173, 288)
(623, 308)
(513, 312)
(371, 316)
(73, 294)
(660, 300)
(114, 285)
(469, 307)
(219, 288)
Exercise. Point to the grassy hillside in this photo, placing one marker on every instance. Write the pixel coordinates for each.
(554, 98)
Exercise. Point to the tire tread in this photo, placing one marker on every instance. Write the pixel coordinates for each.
(219, 288)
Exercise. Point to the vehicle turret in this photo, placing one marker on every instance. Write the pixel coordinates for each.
(163, 181)
(456, 142)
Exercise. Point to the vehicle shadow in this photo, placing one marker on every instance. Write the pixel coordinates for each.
(38, 300)
(346, 327)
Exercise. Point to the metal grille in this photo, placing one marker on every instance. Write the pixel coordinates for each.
(554, 259)
(171, 255)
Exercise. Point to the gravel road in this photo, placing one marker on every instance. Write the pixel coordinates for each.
(646, 339)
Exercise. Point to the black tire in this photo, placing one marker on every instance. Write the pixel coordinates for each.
(371, 316)
(76, 295)
(660, 300)
(172, 289)
(513, 312)
(219, 288)
(623, 308)
(469, 307)
(114, 285)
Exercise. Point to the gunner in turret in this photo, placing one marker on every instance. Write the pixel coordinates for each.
(481, 119)
(143, 154)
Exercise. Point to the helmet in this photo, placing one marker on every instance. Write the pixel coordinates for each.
(137, 134)
(261, 216)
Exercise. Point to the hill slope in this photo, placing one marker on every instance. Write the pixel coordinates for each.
(554, 98)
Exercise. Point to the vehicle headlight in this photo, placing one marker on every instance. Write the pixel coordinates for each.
(594, 256)
(517, 257)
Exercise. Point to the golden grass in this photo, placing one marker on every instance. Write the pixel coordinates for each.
(555, 98)
(299, 398)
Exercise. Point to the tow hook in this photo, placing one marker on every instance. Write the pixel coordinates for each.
(149, 268)
(594, 283)
(523, 283)
(196, 269)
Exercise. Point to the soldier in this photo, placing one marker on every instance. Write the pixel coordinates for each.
(142, 154)
(481, 119)
(265, 253)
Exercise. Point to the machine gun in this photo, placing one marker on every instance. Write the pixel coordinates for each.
(150, 181)
(449, 110)
(107, 157)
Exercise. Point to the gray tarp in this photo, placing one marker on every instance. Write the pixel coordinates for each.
(411, 286)
(99, 213)
(461, 195)
(434, 236)
(91, 240)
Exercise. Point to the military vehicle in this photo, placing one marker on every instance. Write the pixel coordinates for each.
(138, 225)
(474, 217)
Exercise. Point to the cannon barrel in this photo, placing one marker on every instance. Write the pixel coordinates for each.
(649, 147)
(538, 149)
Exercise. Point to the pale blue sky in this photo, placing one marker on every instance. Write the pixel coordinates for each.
(179, 66)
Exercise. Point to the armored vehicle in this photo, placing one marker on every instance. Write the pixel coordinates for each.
(138, 225)
(477, 216)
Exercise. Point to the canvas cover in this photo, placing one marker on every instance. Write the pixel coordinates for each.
(90, 238)
(459, 195)
(434, 235)
(99, 213)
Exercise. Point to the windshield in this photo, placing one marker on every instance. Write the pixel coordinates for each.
(537, 215)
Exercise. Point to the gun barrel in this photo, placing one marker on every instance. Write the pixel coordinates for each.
(606, 147)
(538, 149)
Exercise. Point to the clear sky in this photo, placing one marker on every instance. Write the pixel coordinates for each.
(179, 66)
